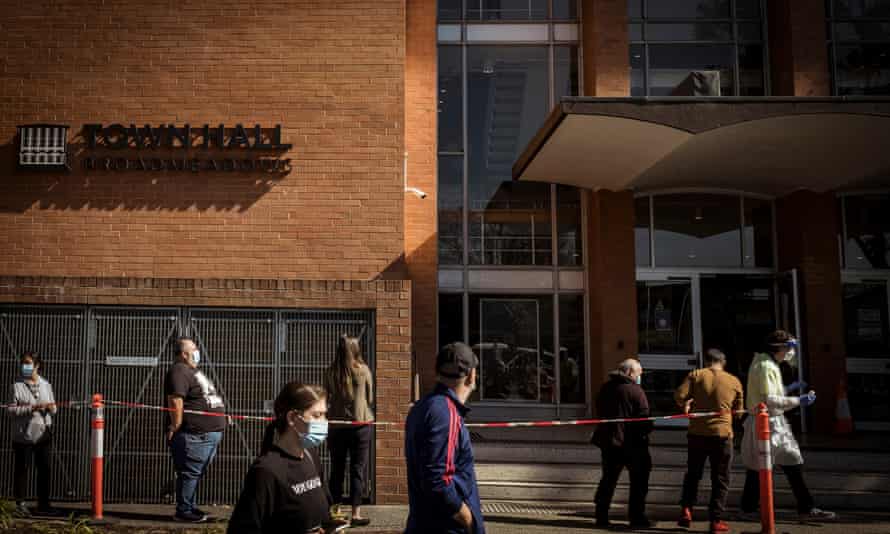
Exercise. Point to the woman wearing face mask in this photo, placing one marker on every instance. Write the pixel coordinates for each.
(283, 491)
(350, 385)
(32, 408)
(765, 386)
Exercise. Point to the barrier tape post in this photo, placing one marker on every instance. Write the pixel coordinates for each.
(98, 429)
(767, 514)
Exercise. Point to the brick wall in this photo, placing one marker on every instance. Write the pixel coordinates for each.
(391, 299)
(798, 51)
(604, 41)
(337, 94)
(421, 245)
(611, 282)
(809, 244)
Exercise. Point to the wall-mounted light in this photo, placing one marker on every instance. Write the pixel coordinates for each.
(43, 146)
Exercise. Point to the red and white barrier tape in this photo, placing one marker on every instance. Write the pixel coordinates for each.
(57, 404)
(576, 422)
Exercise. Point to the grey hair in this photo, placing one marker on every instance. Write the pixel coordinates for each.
(629, 365)
(713, 356)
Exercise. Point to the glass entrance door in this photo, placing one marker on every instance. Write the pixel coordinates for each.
(867, 338)
(669, 336)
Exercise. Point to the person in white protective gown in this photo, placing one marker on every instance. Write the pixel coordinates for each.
(765, 386)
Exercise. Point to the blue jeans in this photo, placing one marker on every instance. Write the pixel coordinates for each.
(192, 454)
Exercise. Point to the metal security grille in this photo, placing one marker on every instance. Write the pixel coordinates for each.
(43, 145)
(124, 353)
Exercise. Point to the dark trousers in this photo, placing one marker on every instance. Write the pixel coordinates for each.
(639, 464)
(794, 474)
(718, 451)
(354, 441)
(40, 451)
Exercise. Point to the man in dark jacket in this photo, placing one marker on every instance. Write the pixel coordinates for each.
(442, 494)
(623, 444)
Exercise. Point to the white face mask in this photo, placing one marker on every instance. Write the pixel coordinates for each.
(196, 357)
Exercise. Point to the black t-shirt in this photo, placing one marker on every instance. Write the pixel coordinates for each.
(281, 493)
(198, 393)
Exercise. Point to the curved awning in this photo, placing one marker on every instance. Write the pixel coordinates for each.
(771, 146)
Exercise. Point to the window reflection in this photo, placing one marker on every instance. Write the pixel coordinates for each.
(697, 230)
(451, 214)
(866, 322)
(568, 218)
(859, 46)
(664, 320)
(513, 337)
(758, 233)
(642, 234)
(572, 372)
(867, 220)
(450, 99)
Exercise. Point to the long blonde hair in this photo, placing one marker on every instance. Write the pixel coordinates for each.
(340, 374)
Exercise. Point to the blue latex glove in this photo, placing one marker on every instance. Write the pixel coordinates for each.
(808, 399)
(795, 386)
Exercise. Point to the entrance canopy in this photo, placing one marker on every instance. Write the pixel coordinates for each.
(770, 145)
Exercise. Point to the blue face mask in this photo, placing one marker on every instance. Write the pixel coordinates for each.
(27, 370)
(316, 433)
(639, 379)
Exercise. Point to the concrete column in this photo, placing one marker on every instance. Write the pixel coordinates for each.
(807, 226)
(421, 245)
(605, 48)
(798, 52)
(611, 282)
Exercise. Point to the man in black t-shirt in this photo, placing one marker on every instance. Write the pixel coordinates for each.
(192, 438)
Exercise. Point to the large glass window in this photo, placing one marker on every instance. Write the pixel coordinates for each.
(704, 230)
(859, 46)
(451, 318)
(866, 320)
(492, 100)
(696, 48)
(664, 322)
(867, 227)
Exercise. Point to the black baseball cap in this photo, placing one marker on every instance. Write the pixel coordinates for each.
(456, 360)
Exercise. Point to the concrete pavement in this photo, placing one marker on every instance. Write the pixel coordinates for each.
(391, 519)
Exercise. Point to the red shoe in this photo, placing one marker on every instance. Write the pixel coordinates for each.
(686, 518)
(719, 526)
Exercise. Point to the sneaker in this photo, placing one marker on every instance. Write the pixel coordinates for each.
(190, 517)
(719, 526)
(817, 514)
(685, 518)
(22, 510)
(207, 516)
(359, 522)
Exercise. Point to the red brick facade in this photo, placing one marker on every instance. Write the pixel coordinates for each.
(338, 96)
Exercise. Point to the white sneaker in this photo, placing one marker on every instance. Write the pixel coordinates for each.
(817, 514)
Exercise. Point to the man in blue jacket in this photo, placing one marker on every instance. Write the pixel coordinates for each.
(442, 494)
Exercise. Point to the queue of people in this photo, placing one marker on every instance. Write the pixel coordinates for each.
(285, 490)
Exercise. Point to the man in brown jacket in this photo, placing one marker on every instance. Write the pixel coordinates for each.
(710, 389)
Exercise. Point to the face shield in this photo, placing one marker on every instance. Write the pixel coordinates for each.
(791, 354)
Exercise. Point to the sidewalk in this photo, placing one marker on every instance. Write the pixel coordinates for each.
(501, 518)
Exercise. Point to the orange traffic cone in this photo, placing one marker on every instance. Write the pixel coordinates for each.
(843, 421)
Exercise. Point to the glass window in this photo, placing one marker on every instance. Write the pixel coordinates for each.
(565, 9)
(691, 48)
(450, 99)
(565, 71)
(688, 9)
(568, 219)
(642, 232)
(697, 230)
(507, 9)
(664, 321)
(450, 9)
(867, 221)
(572, 371)
(508, 100)
(513, 337)
(859, 46)
(866, 323)
(451, 206)
(451, 318)
(758, 233)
